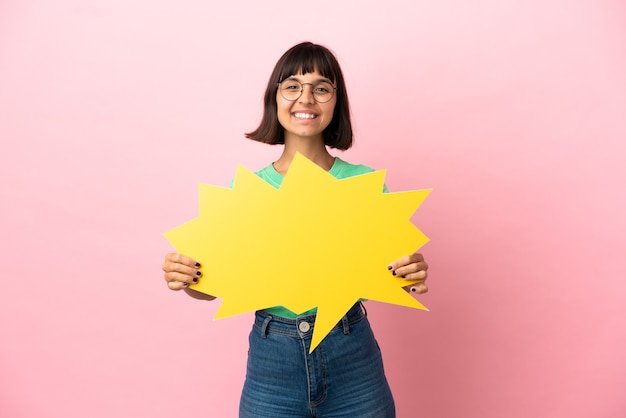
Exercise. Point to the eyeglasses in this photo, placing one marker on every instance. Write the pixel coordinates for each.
(292, 89)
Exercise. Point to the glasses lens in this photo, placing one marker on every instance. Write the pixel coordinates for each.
(323, 92)
(292, 90)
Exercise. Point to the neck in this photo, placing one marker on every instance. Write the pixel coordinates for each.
(313, 149)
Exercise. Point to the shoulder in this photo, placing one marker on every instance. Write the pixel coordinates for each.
(343, 169)
(265, 171)
(270, 175)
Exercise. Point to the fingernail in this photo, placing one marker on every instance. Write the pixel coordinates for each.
(198, 273)
(185, 284)
(413, 289)
(404, 277)
(389, 267)
(393, 272)
(197, 264)
(195, 280)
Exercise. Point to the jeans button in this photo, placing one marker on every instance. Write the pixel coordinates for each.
(304, 326)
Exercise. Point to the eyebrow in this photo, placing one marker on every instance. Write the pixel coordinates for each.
(293, 77)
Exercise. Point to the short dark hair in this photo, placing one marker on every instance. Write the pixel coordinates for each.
(305, 58)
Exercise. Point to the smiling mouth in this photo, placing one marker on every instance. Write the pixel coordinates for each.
(300, 115)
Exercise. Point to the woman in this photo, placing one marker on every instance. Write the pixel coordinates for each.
(306, 109)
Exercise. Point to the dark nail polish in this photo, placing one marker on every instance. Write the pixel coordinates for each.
(197, 264)
(393, 272)
(389, 267)
(404, 277)
(198, 273)
(195, 280)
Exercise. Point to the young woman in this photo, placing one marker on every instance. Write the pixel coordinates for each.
(306, 109)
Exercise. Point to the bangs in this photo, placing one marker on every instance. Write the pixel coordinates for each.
(307, 60)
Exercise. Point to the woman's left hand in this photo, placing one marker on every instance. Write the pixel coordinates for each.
(412, 267)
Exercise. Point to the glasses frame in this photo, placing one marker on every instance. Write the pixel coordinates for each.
(302, 90)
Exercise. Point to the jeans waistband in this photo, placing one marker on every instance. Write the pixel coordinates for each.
(303, 325)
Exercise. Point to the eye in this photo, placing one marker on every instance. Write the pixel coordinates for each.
(291, 85)
(323, 88)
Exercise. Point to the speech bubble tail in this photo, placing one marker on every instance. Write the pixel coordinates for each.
(326, 319)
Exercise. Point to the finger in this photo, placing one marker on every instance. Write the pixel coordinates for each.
(412, 271)
(417, 275)
(181, 259)
(174, 276)
(406, 260)
(399, 263)
(169, 267)
(177, 285)
(418, 288)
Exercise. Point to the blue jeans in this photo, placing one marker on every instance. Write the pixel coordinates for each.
(343, 377)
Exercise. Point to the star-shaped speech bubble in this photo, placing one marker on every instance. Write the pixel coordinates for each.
(315, 242)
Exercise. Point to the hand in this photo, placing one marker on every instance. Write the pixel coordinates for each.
(412, 267)
(180, 271)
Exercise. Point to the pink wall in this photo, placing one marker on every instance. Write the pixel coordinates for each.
(513, 112)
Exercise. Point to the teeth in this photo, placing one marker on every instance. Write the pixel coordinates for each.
(304, 115)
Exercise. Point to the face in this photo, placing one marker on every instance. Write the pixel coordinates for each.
(304, 117)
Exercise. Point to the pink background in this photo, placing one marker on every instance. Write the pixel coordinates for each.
(514, 112)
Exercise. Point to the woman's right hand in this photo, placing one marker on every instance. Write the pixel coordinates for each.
(180, 271)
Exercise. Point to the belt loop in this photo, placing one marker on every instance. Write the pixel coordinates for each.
(264, 326)
(346, 325)
(363, 306)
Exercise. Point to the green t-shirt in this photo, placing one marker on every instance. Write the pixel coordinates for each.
(339, 170)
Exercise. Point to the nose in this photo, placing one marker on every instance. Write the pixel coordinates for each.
(307, 94)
